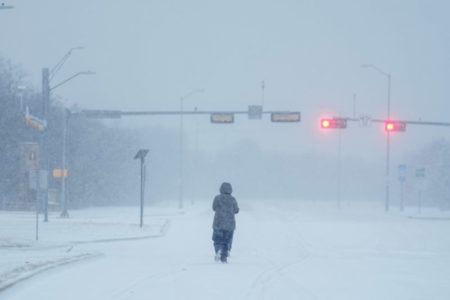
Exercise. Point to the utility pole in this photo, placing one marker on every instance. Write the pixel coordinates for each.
(44, 146)
(47, 76)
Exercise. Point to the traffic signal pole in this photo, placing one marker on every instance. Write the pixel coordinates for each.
(339, 187)
(388, 143)
(389, 126)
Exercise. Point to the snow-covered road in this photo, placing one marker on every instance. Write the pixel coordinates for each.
(282, 250)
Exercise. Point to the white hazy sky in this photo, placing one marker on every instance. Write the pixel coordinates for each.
(147, 54)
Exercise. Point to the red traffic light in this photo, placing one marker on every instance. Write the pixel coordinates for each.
(394, 126)
(325, 123)
(328, 123)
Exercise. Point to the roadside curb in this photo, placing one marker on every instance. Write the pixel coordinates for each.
(17, 275)
(28, 271)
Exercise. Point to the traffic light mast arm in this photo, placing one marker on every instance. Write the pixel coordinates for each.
(428, 123)
(414, 122)
(93, 113)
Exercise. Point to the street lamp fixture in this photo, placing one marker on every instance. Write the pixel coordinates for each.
(61, 62)
(47, 76)
(72, 77)
(5, 6)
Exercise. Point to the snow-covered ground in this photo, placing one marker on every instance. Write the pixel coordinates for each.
(281, 250)
(22, 256)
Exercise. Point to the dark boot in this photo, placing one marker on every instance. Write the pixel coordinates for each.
(224, 254)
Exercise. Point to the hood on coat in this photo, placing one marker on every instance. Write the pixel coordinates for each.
(226, 188)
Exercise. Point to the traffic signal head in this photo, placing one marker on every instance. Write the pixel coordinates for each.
(394, 126)
(333, 123)
(325, 123)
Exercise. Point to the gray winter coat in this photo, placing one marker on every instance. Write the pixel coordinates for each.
(225, 207)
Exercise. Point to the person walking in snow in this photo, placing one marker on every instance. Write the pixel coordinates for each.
(225, 207)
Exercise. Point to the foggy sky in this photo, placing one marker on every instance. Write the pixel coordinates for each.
(147, 54)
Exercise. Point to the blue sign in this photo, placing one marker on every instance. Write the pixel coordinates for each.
(402, 172)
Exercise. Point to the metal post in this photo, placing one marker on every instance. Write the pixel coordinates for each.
(386, 202)
(141, 155)
(387, 179)
(263, 86)
(142, 190)
(64, 212)
(44, 146)
(180, 195)
(180, 192)
(388, 139)
(196, 161)
(339, 169)
(419, 207)
(37, 204)
(402, 200)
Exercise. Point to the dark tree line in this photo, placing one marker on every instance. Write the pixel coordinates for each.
(12, 126)
(101, 170)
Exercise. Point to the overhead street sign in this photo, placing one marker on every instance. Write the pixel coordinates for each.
(285, 117)
(255, 112)
(223, 118)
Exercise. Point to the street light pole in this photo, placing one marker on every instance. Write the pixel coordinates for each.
(47, 76)
(141, 156)
(180, 192)
(64, 212)
(388, 136)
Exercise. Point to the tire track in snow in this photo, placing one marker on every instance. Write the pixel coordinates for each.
(260, 286)
(142, 280)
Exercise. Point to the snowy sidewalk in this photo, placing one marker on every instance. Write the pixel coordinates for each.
(21, 256)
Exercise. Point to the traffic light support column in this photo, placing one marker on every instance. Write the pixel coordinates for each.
(388, 142)
(388, 139)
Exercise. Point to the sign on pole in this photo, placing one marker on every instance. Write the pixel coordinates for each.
(43, 182)
(420, 173)
(255, 112)
(32, 180)
(285, 117)
(34, 122)
(59, 173)
(402, 173)
(223, 118)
